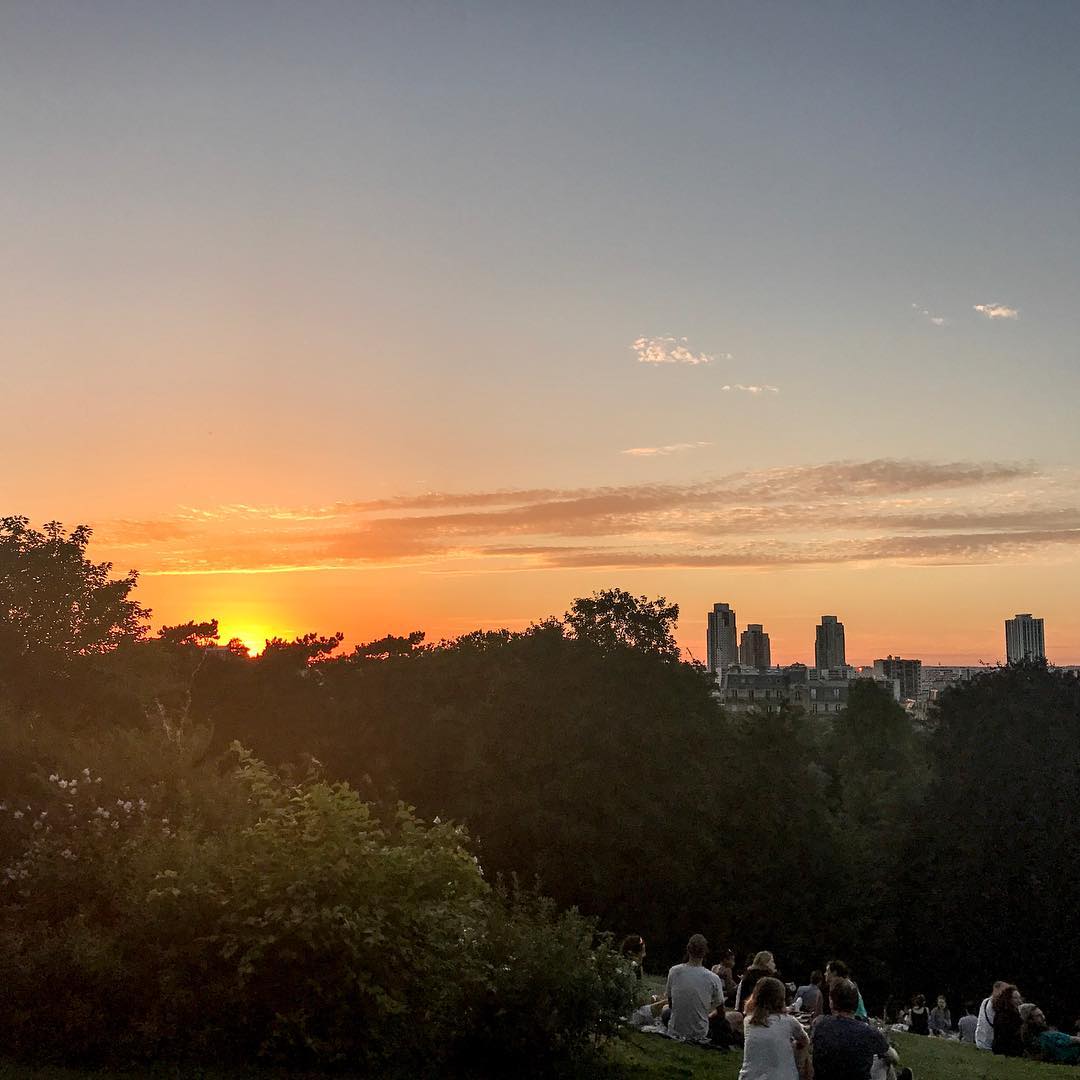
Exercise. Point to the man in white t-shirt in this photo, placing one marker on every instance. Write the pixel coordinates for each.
(984, 1028)
(693, 991)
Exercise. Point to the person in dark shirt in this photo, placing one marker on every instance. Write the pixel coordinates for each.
(844, 1048)
(763, 967)
(919, 1017)
(1008, 1022)
(726, 971)
(810, 996)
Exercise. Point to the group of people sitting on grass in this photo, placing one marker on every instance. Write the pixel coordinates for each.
(759, 1015)
(1004, 1023)
(1008, 1025)
(821, 1028)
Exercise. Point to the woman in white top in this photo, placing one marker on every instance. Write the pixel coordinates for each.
(772, 1037)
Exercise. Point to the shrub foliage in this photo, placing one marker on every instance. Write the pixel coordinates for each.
(229, 913)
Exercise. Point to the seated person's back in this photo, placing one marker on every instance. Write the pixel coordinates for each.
(693, 992)
(968, 1024)
(810, 995)
(844, 1048)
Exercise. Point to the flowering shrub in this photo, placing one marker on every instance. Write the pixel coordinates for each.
(211, 914)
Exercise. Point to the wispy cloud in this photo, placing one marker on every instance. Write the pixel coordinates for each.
(663, 451)
(672, 350)
(997, 311)
(936, 320)
(881, 510)
(676, 350)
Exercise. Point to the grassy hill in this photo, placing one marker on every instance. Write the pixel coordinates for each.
(652, 1057)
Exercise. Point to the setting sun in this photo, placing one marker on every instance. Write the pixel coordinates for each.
(253, 635)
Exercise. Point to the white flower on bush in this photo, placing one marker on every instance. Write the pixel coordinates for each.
(18, 814)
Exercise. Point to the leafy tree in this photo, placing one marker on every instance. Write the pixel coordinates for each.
(55, 603)
(299, 653)
(386, 647)
(198, 634)
(614, 618)
(990, 870)
(779, 855)
(237, 647)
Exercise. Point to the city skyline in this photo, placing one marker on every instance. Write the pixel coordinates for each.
(1024, 640)
(384, 317)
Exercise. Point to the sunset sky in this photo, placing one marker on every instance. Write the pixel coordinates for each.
(386, 316)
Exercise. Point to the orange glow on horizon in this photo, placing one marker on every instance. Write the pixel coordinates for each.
(253, 635)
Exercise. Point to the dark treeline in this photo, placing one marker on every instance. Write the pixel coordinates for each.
(585, 754)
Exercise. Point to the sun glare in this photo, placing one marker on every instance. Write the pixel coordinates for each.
(254, 636)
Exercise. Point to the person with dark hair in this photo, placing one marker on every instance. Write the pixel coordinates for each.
(633, 950)
(693, 992)
(772, 1039)
(726, 972)
(809, 998)
(919, 1016)
(762, 967)
(940, 1017)
(837, 969)
(843, 1047)
(968, 1023)
(1044, 1044)
(1007, 1022)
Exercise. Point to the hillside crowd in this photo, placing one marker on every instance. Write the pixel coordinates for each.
(821, 1029)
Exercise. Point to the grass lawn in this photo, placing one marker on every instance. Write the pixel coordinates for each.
(652, 1057)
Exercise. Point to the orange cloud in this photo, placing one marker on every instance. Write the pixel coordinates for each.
(805, 515)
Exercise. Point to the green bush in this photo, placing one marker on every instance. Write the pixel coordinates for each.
(226, 914)
(549, 992)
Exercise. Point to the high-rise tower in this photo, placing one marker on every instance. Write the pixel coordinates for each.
(829, 651)
(721, 644)
(754, 648)
(1024, 639)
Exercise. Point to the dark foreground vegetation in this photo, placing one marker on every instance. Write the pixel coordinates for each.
(197, 903)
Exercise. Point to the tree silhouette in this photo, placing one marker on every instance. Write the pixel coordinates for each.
(55, 603)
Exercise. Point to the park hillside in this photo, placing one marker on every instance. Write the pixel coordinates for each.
(418, 855)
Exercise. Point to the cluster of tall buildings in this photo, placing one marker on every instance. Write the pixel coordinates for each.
(725, 647)
(742, 665)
